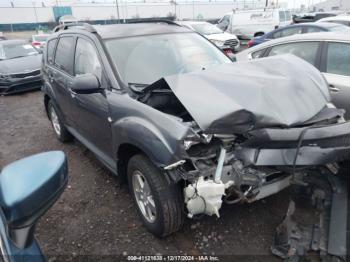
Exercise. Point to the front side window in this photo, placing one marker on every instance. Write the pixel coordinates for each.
(341, 22)
(338, 59)
(146, 59)
(339, 28)
(282, 16)
(16, 50)
(225, 19)
(50, 50)
(62, 58)
(86, 59)
(304, 50)
(288, 16)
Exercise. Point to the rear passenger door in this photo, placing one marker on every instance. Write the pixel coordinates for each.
(336, 69)
(60, 74)
(91, 111)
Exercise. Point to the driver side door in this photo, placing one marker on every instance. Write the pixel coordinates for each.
(91, 110)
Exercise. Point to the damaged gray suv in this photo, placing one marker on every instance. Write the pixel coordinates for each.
(163, 107)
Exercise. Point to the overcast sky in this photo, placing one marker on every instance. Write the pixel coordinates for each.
(291, 3)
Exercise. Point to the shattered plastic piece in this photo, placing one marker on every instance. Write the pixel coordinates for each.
(325, 236)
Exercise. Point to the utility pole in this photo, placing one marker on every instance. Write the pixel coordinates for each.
(117, 5)
(36, 15)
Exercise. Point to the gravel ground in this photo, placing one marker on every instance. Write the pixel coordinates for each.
(95, 215)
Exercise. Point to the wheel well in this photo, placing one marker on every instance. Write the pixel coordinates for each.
(46, 103)
(259, 34)
(125, 152)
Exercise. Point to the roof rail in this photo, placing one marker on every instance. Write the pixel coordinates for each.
(85, 26)
(154, 20)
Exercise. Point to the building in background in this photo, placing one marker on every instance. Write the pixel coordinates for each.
(333, 5)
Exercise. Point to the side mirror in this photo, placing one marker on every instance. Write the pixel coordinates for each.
(86, 84)
(28, 188)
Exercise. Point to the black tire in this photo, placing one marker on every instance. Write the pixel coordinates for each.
(167, 197)
(63, 135)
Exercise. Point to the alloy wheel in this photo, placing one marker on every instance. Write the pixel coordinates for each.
(143, 196)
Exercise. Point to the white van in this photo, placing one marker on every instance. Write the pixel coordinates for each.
(67, 20)
(247, 24)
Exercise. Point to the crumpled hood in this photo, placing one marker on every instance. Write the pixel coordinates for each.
(20, 64)
(279, 91)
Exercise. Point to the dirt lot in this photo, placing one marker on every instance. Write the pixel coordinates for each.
(95, 215)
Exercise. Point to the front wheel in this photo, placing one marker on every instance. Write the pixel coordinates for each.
(159, 203)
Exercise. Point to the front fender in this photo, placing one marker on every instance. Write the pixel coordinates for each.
(163, 149)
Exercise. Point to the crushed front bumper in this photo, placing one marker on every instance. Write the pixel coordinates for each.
(20, 85)
(286, 147)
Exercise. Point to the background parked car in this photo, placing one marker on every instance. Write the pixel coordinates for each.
(251, 23)
(298, 29)
(20, 65)
(226, 41)
(328, 52)
(340, 19)
(39, 41)
(2, 37)
(312, 17)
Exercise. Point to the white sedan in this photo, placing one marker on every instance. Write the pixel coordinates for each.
(328, 52)
(221, 39)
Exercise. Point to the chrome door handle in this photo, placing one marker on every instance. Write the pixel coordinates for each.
(334, 89)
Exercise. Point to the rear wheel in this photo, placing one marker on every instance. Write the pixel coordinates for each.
(60, 130)
(159, 203)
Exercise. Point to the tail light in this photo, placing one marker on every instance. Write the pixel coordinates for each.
(37, 44)
(250, 43)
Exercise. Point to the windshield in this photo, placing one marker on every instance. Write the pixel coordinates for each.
(206, 29)
(146, 59)
(10, 51)
(40, 38)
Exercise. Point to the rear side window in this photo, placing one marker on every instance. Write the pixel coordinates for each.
(63, 59)
(288, 32)
(50, 50)
(314, 29)
(338, 59)
(304, 50)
